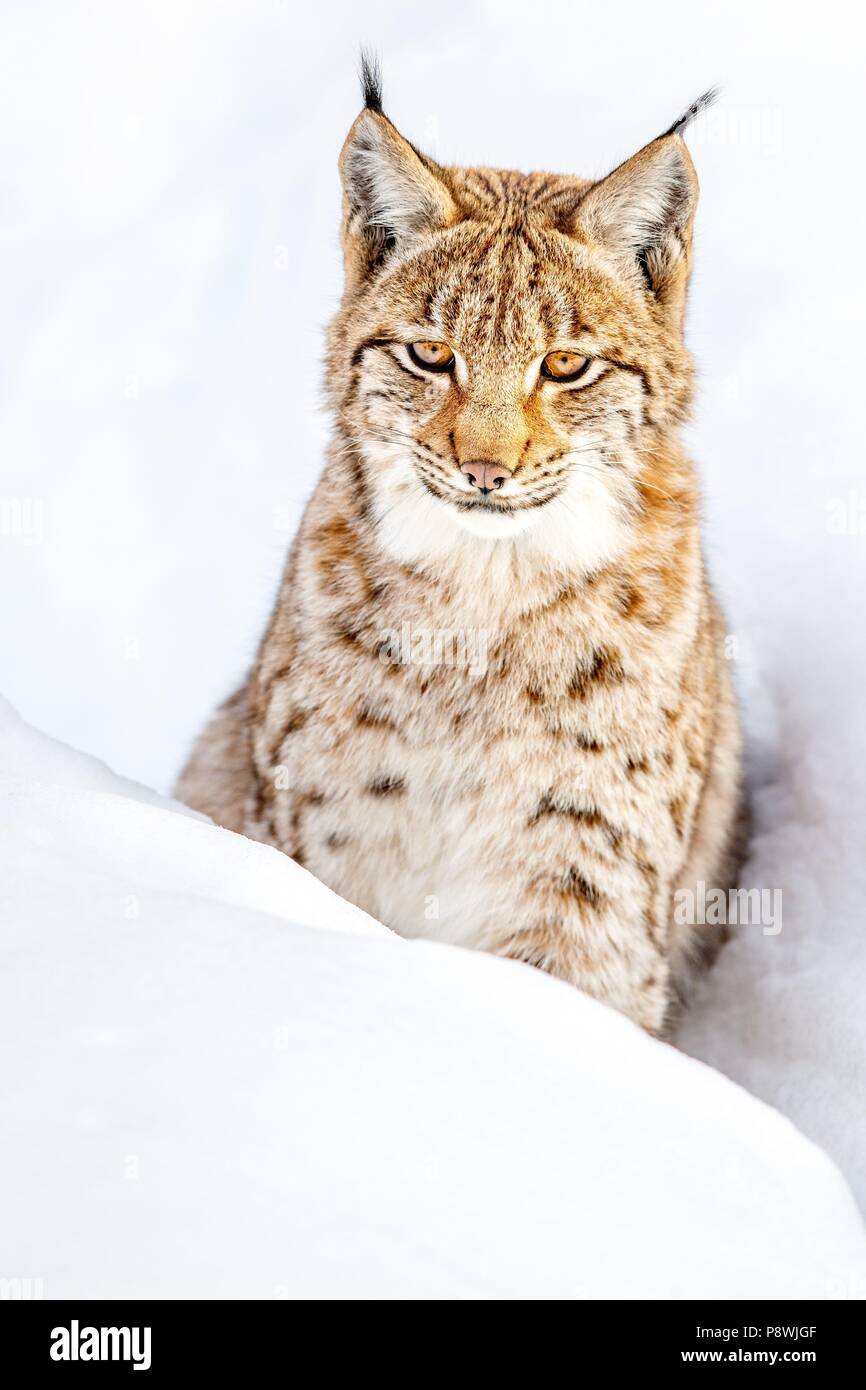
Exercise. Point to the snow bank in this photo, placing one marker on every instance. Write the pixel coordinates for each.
(222, 1081)
(784, 1014)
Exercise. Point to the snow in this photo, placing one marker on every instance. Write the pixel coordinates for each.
(784, 1015)
(221, 1081)
(169, 225)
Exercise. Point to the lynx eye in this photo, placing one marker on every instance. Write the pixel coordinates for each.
(433, 357)
(564, 366)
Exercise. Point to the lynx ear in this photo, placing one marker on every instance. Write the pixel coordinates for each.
(393, 196)
(644, 211)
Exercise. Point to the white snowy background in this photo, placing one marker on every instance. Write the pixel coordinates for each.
(168, 221)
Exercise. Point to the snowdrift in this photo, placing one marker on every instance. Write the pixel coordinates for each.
(220, 1080)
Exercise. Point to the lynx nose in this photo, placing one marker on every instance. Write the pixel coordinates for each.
(484, 475)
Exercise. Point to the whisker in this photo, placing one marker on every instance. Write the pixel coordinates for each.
(582, 455)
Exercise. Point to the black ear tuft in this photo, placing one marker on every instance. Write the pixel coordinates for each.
(680, 126)
(371, 80)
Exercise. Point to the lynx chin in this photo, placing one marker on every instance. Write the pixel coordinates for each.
(507, 377)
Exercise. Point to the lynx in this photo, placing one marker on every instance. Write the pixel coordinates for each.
(491, 706)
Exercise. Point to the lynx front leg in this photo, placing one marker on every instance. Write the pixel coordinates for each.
(588, 954)
(591, 908)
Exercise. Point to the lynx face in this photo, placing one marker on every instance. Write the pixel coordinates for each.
(508, 343)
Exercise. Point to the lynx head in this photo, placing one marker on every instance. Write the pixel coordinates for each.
(509, 348)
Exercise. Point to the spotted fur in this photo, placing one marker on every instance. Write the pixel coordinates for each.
(543, 802)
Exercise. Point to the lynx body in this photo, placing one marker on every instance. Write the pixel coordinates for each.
(492, 705)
